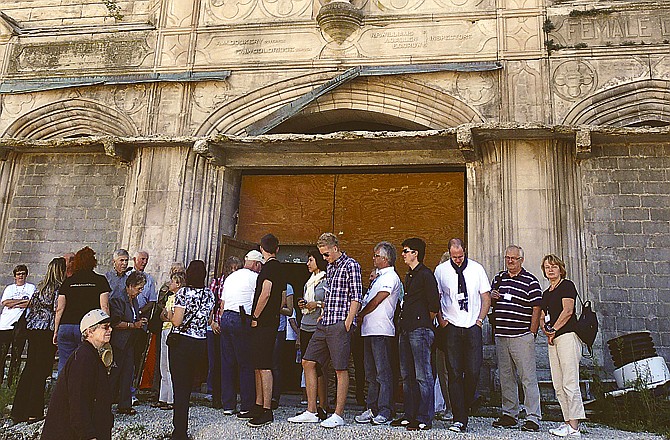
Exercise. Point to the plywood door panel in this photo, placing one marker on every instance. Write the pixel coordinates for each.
(370, 208)
(296, 208)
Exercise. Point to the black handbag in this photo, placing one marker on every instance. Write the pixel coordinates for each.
(587, 325)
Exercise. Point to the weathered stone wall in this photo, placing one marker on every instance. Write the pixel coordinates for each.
(60, 203)
(626, 191)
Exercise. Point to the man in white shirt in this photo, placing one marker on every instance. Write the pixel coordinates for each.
(464, 302)
(237, 298)
(14, 301)
(378, 330)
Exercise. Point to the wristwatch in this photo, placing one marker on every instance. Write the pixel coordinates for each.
(480, 321)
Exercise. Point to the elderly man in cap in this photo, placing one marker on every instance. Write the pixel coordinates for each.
(81, 404)
(237, 298)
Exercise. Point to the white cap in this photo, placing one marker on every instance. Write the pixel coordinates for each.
(254, 256)
(95, 316)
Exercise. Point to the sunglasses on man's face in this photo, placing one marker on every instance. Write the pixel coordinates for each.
(21, 274)
(407, 251)
(325, 254)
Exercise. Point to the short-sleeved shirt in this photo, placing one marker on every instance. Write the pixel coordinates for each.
(238, 290)
(379, 322)
(476, 281)
(514, 309)
(82, 294)
(552, 305)
(117, 283)
(198, 304)
(343, 285)
(271, 271)
(149, 293)
(8, 317)
(42, 311)
(308, 322)
(420, 299)
(283, 319)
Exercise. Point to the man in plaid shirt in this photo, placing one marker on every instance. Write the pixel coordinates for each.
(332, 338)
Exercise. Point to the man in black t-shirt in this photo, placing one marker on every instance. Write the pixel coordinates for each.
(270, 284)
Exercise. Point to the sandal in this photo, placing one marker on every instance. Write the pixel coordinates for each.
(168, 407)
(127, 411)
(158, 404)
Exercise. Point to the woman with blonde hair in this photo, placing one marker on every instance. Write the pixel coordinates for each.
(40, 316)
(565, 347)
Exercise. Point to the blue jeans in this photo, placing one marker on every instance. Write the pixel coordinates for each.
(69, 338)
(214, 367)
(236, 359)
(417, 375)
(464, 361)
(378, 374)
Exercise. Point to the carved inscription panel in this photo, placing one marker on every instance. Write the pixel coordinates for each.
(608, 28)
(453, 37)
(249, 47)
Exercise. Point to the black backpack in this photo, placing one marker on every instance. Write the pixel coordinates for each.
(587, 325)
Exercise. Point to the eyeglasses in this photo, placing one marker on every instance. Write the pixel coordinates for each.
(407, 251)
(21, 274)
(376, 256)
(325, 254)
(512, 258)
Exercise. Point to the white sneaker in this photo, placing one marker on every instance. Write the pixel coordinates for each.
(304, 417)
(333, 422)
(380, 420)
(365, 417)
(565, 430)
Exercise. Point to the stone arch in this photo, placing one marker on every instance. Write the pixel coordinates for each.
(624, 105)
(398, 97)
(71, 118)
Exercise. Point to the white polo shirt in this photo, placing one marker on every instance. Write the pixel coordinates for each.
(238, 290)
(476, 282)
(9, 316)
(380, 321)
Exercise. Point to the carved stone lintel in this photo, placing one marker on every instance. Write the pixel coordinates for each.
(583, 143)
(210, 151)
(122, 153)
(466, 143)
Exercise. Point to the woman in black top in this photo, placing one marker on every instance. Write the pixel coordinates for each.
(565, 348)
(84, 291)
(29, 399)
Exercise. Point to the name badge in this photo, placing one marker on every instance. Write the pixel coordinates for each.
(460, 296)
(547, 318)
(508, 297)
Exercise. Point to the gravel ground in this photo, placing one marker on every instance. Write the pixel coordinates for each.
(210, 424)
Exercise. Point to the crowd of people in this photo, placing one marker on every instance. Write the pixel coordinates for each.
(428, 326)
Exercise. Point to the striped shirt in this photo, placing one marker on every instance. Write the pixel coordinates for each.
(514, 310)
(343, 285)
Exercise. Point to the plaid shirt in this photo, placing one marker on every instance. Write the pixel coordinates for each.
(343, 285)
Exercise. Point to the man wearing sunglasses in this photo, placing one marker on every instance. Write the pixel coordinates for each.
(332, 338)
(15, 299)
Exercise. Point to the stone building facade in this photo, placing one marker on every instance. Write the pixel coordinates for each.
(134, 124)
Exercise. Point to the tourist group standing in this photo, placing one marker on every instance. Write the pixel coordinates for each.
(100, 327)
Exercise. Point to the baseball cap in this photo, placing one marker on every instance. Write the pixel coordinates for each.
(254, 256)
(95, 316)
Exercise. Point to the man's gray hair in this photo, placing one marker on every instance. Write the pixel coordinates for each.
(456, 243)
(141, 251)
(515, 247)
(120, 253)
(387, 250)
(327, 239)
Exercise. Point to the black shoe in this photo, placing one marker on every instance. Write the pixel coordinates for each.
(530, 426)
(416, 426)
(321, 413)
(275, 404)
(253, 412)
(262, 419)
(505, 421)
(400, 422)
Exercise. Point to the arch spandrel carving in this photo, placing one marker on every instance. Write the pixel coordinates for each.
(70, 118)
(625, 105)
(398, 96)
